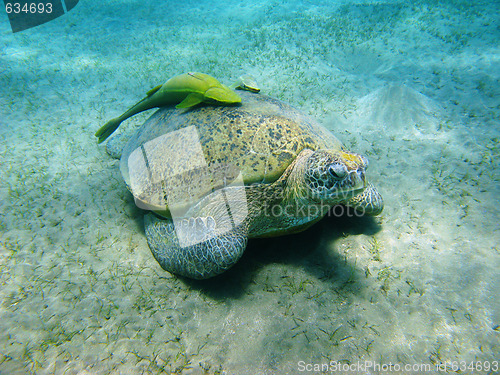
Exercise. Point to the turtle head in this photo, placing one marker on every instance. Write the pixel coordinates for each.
(334, 177)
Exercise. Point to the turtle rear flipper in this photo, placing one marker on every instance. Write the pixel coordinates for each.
(197, 260)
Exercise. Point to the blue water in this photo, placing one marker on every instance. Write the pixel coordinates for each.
(412, 86)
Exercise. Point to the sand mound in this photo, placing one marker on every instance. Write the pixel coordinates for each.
(399, 109)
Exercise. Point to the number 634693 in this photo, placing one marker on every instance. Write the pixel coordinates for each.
(26, 8)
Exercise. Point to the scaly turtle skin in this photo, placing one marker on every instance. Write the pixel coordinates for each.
(216, 176)
(185, 90)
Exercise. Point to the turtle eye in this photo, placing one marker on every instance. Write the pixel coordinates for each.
(337, 171)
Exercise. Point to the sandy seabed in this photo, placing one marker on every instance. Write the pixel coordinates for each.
(414, 87)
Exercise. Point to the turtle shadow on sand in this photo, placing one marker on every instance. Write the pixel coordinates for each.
(308, 250)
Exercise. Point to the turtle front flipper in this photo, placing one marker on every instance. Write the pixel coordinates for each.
(369, 202)
(206, 253)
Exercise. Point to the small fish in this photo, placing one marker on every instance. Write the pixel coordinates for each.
(246, 82)
(185, 90)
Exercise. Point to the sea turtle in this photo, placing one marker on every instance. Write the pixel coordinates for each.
(184, 90)
(214, 176)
